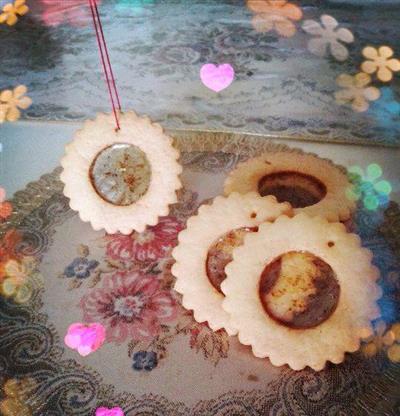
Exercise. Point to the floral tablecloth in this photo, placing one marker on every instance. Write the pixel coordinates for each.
(167, 364)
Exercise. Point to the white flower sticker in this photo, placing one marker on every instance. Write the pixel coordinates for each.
(327, 36)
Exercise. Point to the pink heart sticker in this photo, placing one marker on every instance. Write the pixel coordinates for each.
(85, 338)
(104, 411)
(217, 78)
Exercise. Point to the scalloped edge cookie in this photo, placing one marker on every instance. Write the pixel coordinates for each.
(335, 206)
(342, 331)
(203, 229)
(100, 133)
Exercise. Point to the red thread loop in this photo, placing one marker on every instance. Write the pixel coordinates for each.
(105, 60)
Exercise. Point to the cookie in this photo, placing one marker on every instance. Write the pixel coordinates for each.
(121, 180)
(205, 247)
(301, 291)
(311, 185)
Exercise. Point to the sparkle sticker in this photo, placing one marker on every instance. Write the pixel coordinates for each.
(368, 187)
(85, 338)
(217, 77)
(104, 411)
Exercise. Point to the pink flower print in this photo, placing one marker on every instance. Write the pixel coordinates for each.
(130, 306)
(85, 338)
(153, 244)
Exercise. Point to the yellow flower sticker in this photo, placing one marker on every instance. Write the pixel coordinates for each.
(11, 101)
(384, 339)
(356, 91)
(275, 15)
(11, 11)
(380, 61)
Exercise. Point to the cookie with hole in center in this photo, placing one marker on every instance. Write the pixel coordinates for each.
(121, 180)
(205, 248)
(301, 291)
(310, 184)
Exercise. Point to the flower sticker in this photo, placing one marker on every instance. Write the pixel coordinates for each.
(277, 15)
(384, 339)
(356, 90)
(105, 411)
(144, 360)
(11, 11)
(328, 37)
(380, 61)
(368, 188)
(5, 207)
(134, 7)
(85, 338)
(387, 108)
(12, 101)
(15, 395)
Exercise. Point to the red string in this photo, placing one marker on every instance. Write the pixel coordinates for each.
(105, 59)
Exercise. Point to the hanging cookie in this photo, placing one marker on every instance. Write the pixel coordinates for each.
(205, 248)
(301, 291)
(121, 180)
(311, 184)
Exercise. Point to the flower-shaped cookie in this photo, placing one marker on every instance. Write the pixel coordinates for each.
(380, 61)
(277, 15)
(328, 37)
(11, 11)
(205, 247)
(11, 101)
(121, 180)
(310, 184)
(301, 291)
(356, 90)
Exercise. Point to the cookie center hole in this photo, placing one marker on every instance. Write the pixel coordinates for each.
(220, 254)
(120, 174)
(299, 290)
(300, 189)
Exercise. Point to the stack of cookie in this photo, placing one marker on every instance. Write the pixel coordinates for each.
(273, 263)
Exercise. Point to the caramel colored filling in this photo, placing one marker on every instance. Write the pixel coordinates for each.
(120, 174)
(300, 189)
(299, 290)
(220, 254)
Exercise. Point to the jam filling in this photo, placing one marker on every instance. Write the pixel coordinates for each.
(299, 189)
(299, 290)
(120, 174)
(220, 254)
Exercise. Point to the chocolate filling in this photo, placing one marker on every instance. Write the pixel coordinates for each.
(120, 174)
(220, 254)
(300, 189)
(299, 290)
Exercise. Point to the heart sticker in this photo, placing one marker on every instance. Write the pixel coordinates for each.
(104, 411)
(85, 338)
(217, 78)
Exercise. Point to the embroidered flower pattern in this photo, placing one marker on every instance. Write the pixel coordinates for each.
(277, 15)
(153, 244)
(380, 61)
(356, 90)
(11, 11)
(73, 12)
(366, 187)
(328, 37)
(384, 339)
(5, 207)
(144, 360)
(80, 268)
(130, 306)
(12, 101)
